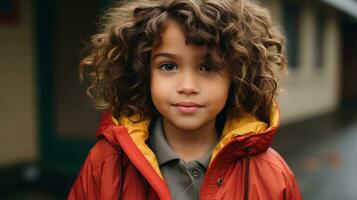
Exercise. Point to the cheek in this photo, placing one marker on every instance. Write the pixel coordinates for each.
(220, 97)
(219, 92)
(219, 88)
(154, 88)
(158, 89)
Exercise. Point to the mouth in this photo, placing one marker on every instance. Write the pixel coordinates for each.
(187, 107)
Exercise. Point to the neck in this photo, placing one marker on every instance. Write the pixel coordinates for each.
(190, 144)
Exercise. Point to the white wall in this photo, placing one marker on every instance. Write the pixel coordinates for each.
(18, 139)
(309, 91)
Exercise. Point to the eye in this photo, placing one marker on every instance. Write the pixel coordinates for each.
(206, 67)
(168, 67)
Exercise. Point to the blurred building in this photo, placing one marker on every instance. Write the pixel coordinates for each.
(320, 44)
(45, 114)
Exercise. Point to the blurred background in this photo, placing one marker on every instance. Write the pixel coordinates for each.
(47, 123)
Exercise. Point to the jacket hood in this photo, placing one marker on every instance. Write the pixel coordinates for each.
(240, 132)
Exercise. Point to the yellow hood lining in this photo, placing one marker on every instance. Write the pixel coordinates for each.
(235, 126)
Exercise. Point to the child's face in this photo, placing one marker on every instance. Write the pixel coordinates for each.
(183, 89)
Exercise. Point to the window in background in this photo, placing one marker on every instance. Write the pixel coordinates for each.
(320, 19)
(291, 23)
(74, 115)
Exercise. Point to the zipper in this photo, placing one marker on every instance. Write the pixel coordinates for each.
(220, 153)
(227, 146)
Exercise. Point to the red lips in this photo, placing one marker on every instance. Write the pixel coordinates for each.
(188, 104)
(187, 107)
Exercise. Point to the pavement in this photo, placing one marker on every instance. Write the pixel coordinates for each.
(322, 153)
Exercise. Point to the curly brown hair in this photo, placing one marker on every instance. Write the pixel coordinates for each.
(238, 33)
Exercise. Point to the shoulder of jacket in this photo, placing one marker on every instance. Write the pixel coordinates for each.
(275, 160)
(102, 151)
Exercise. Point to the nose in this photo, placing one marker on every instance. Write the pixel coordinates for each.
(188, 84)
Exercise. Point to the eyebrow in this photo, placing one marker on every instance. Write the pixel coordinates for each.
(164, 54)
(169, 55)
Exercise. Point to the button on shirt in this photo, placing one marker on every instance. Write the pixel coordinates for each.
(184, 179)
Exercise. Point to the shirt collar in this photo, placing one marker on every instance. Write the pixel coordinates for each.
(204, 160)
(163, 151)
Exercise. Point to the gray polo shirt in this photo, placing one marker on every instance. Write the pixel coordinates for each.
(184, 179)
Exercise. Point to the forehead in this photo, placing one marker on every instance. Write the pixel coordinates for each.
(173, 40)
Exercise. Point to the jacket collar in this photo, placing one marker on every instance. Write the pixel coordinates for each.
(241, 132)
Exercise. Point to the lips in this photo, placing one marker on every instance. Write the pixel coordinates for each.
(187, 107)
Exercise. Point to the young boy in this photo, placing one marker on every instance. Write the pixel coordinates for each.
(190, 85)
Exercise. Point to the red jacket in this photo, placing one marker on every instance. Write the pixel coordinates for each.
(122, 166)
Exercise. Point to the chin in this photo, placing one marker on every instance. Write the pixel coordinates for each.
(188, 125)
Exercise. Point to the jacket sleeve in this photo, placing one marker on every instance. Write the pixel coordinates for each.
(293, 191)
(85, 186)
(100, 175)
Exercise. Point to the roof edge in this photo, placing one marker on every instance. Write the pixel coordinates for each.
(347, 6)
